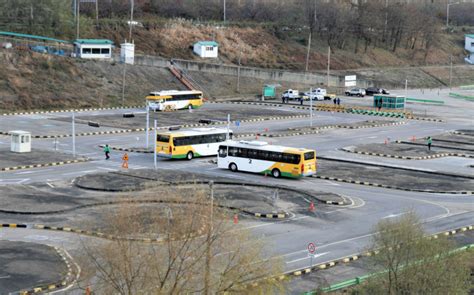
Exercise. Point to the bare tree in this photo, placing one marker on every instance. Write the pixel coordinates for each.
(200, 249)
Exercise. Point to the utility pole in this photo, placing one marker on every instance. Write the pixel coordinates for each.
(147, 125)
(124, 63)
(132, 4)
(73, 135)
(225, 12)
(78, 18)
(307, 52)
(311, 107)
(450, 70)
(97, 13)
(447, 13)
(154, 150)
(228, 127)
(207, 278)
(238, 71)
(329, 65)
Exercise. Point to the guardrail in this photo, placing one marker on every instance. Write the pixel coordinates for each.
(425, 100)
(358, 280)
(461, 96)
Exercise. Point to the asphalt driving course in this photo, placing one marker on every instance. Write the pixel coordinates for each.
(336, 230)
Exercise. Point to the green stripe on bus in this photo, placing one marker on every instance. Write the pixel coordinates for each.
(283, 174)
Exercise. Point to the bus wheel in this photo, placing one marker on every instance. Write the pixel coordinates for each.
(276, 173)
(233, 167)
(190, 156)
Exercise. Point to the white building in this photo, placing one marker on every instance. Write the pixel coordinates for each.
(127, 53)
(20, 141)
(469, 46)
(206, 49)
(93, 48)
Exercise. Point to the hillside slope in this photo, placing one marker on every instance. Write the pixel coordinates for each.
(276, 48)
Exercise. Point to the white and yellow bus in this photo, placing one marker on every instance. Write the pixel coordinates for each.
(263, 158)
(188, 144)
(169, 100)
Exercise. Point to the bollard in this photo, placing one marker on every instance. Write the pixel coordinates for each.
(311, 206)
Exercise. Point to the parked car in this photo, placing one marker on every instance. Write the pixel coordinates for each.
(375, 90)
(291, 94)
(356, 92)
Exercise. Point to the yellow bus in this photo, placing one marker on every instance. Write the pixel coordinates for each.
(263, 158)
(188, 144)
(169, 100)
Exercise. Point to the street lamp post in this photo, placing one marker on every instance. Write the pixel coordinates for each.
(447, 13)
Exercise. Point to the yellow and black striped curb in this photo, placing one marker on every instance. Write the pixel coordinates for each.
(462, 133)
(316, 130)
(271, 215)
(70, 110)
(44, 165)
(163, 128)
(247, 103)
(441, 147)
(355, 257)
(55, 286)
(391, 186)
(398, 157)
(129, 150)
(95, 234)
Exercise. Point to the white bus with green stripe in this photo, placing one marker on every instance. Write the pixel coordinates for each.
(191, 143)
(263, 158)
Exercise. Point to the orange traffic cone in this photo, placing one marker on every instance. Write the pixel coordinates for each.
(236, 218)
(311, 206)
(88, 290)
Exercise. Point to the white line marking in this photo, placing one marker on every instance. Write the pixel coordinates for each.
(50, 185)
(307, 257)
(33, 171)
(394, 215)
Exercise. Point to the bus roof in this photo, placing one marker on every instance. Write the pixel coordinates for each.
(262, 145)
(174, 92)
(195, 131)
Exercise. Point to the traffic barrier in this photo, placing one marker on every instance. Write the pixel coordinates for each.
(405, 157)
(71, 110)
(45, 165)
(128, 115)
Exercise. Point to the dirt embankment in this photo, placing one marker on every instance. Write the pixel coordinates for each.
(35, 81)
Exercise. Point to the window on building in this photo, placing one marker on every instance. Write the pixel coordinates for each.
(472, 44)
(86, 50)
(105, 51)
(209, 48)
(95, 50)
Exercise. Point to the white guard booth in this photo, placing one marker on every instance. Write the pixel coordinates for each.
(93, 48)
(206, 49)
(20, 141)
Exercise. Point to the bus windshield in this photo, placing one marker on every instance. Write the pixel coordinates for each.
(309, 156)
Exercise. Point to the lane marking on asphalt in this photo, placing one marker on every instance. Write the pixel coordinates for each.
(79, 172)
(33, 171)
(394, 215)
(307, 257)
(273, 223)
(5, 277)
(50, 185)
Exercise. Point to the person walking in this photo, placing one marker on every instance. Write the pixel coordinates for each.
(430, 141)
(338, 101)
(301, 100)
(334, 100)
(107, 151)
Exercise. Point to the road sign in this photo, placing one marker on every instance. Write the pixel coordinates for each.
(311, 248)
(350, 80)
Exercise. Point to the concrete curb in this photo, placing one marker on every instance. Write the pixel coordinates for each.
(317, 129)
(441, 147)
(398, 157)
(392, 187)
(163, 128)
(69, 111)
(397, 167)
(45, 165)
(55, 286)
